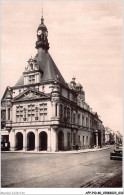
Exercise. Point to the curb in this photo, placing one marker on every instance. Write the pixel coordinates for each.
(61, 152)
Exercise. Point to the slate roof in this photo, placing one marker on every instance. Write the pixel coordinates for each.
(47, 65)
(20, 81)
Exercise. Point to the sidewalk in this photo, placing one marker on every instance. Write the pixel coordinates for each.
(60, 152)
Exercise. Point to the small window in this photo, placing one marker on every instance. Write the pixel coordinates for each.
(31, 79)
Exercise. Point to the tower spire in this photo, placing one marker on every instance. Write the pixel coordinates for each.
(42, 35)
(42, 19)
(42, 8)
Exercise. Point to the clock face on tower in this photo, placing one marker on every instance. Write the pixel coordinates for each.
(39, 32)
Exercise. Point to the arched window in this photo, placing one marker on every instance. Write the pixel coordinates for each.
(8, 113)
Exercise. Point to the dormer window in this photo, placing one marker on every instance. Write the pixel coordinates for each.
(31, 65)
(31, 79)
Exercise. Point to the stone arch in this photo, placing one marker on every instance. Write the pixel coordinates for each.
(60, 140)
(42, 140)
(30, 141)
(19, 141)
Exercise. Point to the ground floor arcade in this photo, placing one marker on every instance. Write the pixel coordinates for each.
(49, 139)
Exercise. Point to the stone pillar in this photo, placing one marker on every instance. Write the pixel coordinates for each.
(13, 147)
(36, 140)
(55, 109)
(97, 139)
(7, 113)
(35, 78)
(76, 138)
(65, 139)
(24, 140)
(58, 110)
(10, 114)
(38, 77)
(54, 140)
(72, 139)
(52, 109)
(49, 140)
(89, 122)
(102, 138)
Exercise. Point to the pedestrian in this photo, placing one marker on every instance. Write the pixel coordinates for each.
(76, 147)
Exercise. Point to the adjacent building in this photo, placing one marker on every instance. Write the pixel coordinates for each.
(112, 137)
(43, 112)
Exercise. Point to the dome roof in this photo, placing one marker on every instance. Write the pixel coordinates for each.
(79, 85)
(42, 26)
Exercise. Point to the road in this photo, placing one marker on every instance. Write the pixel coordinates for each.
(92, 169)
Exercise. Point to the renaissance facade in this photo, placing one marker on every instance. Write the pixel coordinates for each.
(43, 112)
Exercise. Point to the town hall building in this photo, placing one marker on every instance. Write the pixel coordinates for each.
(43, 112)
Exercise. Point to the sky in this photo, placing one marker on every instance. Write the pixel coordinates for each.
(85, 41)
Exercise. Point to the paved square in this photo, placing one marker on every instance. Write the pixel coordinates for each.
(59, 170)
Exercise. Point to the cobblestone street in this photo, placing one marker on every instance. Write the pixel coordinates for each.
(92, 169)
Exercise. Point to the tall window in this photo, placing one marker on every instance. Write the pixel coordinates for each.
(83, 121)
(43, 111)
(8, 113)
(74, 139)
(87, 140)
(24, 114)
(61, 111)
(68, 138)
(19, 113)
(90, 123)
(31, 79)
(36, 113)
(79, 139)
(86, 122)
(68, 95)
(31, 112)
(83, 140)
(68, 114)
(74, 118)
(78, 119)
(65, 111)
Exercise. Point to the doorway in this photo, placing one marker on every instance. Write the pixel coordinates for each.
(31, 141)
(60, 140)
(19, 141)
(43, 141)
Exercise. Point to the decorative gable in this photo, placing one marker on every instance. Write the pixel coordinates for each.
(30, 94)
(7, 92)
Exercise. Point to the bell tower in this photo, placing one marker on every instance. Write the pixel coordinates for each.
(42, 36)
